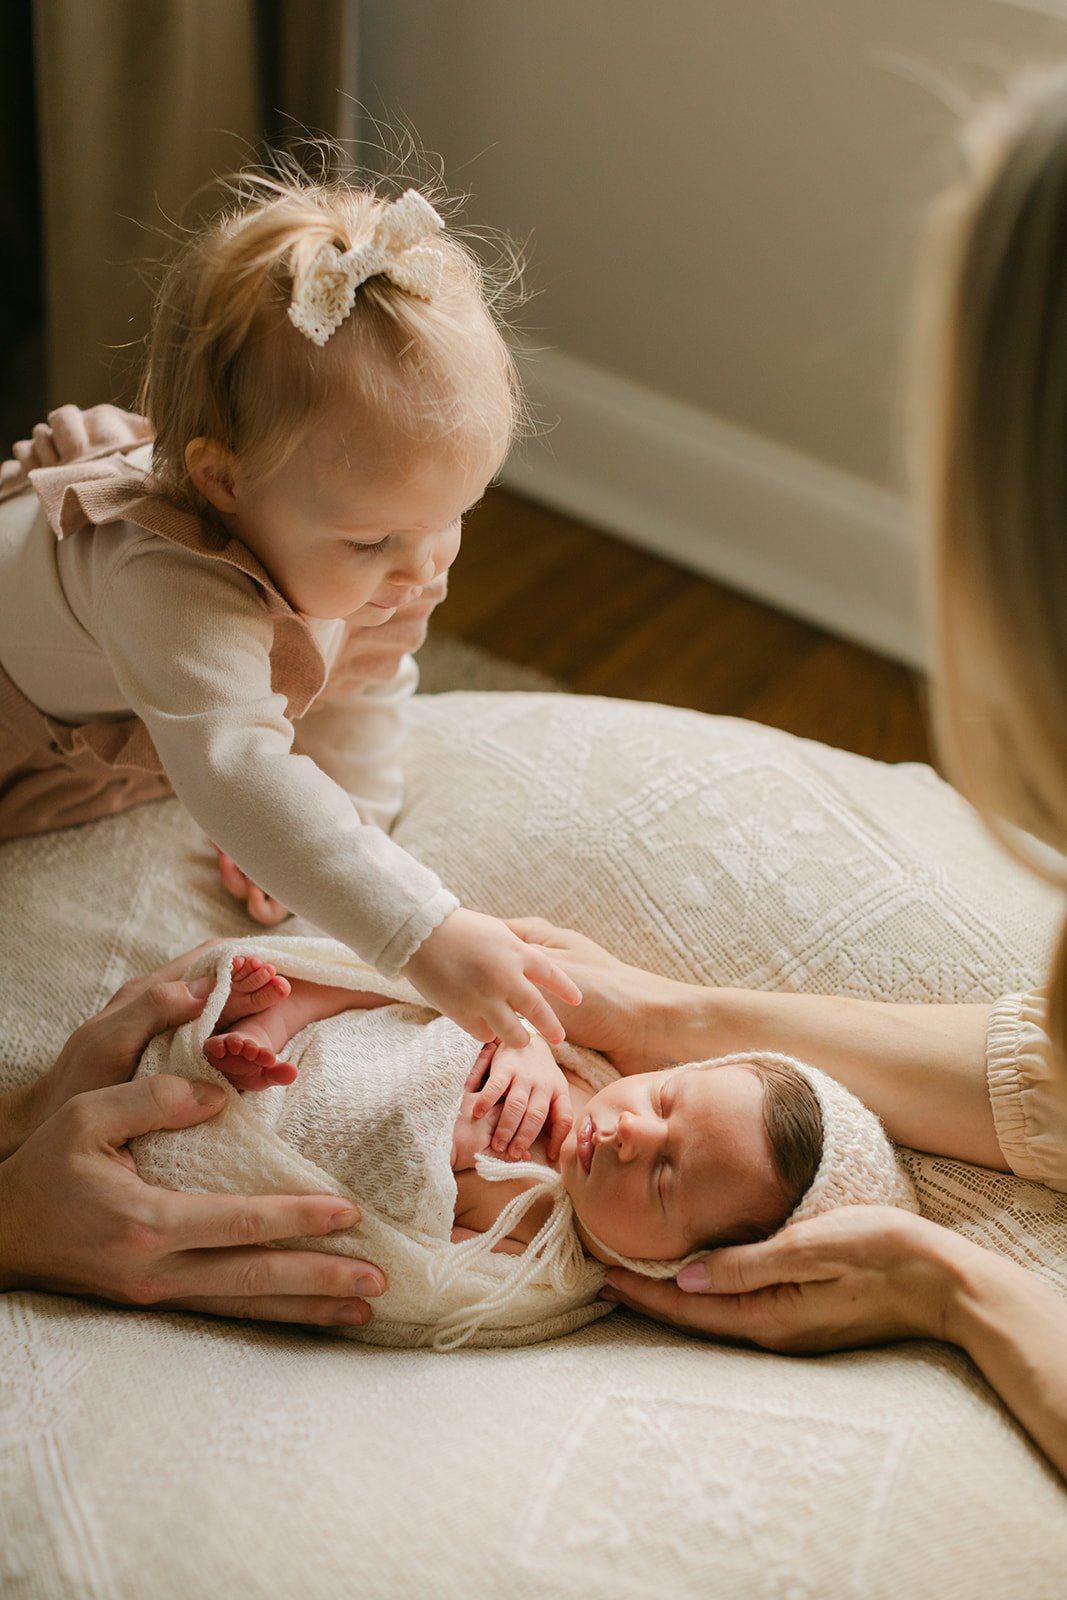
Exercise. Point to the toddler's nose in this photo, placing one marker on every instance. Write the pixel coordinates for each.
(415, 573)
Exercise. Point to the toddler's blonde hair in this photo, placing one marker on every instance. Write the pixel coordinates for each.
(226, 363)
(991, 446)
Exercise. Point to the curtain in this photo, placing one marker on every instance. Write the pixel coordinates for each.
(139, 104)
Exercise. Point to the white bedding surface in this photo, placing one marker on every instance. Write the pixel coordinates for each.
(177, 1456)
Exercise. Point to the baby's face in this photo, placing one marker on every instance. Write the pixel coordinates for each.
(662, 1162)
(341, 540)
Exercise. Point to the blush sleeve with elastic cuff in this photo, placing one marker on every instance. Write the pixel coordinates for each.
(1027, 1091)
(189, 643)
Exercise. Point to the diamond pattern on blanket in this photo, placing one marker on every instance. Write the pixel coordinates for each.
(747, 1478)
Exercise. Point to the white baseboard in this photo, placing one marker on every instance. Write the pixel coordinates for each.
(795, 532)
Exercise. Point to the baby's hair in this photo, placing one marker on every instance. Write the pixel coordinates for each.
(792, 1122)
(991, 444)
(226, 362)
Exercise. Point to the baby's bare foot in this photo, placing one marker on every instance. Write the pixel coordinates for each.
(254, 985)
(246, 1061)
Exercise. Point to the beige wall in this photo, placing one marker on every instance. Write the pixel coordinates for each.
(719, 194)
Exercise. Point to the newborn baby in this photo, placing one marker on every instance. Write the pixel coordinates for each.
(657, 1166)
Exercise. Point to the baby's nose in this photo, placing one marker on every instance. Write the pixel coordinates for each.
(633, 1136)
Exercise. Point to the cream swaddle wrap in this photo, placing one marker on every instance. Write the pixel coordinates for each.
(370, 1116)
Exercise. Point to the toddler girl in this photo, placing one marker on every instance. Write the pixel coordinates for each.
(659, 1166)
(229, 612)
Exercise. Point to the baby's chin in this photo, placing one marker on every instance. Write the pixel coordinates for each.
(590, 1245)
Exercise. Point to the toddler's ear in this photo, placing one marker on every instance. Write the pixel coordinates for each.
(210, 465)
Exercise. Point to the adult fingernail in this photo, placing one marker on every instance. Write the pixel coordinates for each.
(610, 1294)
(368, 1287)
(693, 1278)
(344, 1219)
(352, 1315)
(206, 1094)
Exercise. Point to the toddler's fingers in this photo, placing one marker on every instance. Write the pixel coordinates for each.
(479, 1028)
(540, 1015)
(542, 970)
(68, 432)
(43, 447)
(507, 1025)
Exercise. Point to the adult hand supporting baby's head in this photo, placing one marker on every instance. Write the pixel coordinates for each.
(76, 1218)
(855, 1276)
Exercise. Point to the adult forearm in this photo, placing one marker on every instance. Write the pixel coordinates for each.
(1014, 1328)
(921, 1068)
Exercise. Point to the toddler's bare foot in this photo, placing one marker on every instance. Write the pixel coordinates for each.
(263, 907)
(254, 985)
(242, 1056)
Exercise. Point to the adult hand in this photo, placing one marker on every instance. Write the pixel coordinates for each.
(633, 1017)
(857, 1276)
(106, 1049)
(76, 1218)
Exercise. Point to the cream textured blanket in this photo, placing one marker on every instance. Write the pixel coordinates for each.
(371, 1116)
(178, 1457)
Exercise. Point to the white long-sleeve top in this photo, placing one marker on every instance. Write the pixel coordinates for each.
(117, 620)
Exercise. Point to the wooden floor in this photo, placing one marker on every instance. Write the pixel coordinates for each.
(606, 618)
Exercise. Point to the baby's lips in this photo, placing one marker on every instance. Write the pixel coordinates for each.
(586, 1143)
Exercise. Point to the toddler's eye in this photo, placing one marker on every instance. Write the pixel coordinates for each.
(367, 549)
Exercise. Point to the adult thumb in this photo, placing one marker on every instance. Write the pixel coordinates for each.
(113, 1116)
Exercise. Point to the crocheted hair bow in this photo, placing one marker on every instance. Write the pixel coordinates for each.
(397, 250)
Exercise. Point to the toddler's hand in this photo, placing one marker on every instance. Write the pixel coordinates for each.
(475, 970)
(69, 434)
(263, 907)
(534, 1092)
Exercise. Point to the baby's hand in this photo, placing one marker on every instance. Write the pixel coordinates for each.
(263, 907)
(475, 970)
(534, 1092)
(471, 1135)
